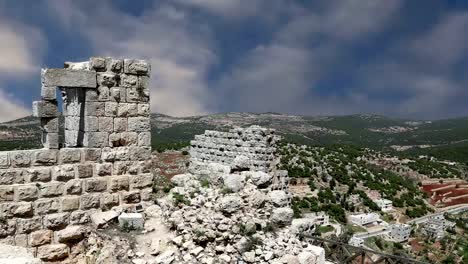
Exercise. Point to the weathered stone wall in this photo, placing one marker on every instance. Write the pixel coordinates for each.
(106, 162)
(256, 143)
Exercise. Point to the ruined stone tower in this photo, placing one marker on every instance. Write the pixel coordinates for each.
(103, 160)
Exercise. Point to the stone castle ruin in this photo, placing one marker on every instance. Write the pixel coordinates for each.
(103, 160)
(253, 148)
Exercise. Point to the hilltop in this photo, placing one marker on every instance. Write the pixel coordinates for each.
(444, 139)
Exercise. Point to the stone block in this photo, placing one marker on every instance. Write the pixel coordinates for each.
(144, 139)
(139, 124)
(96, 185)
(91, 123)
(103, 169)
(20, 158)
(100, 219)
(119, 183)
(7, 193)
(63, 173)
(109, 200)
(50, 125)
(115, 65)
(146, 194)
(103, 93)
(130, 197)
(71, 138)
(84, 170)
(21, 240)
(144, 109)
(106, 124)
(128, 139)
(27, 192)
(21, 209)
(68, 78)
(11, 176)
(40, 237)
(114, 140)
(91, 154)
(133, 66)
(111, 109)
(79, 218)
(129, 81)
(45, 109)
(44, 157)
(98, 64)
(88, 201)
(7, 228)
(52, 252)
(56, 221)
(49, 93)
(4, 160)
(117, 94)
(46, 206)
(115, 154)
(96, 139)
(91, 95)
(133, 95)
(132, 110)
(145, 166)
(37, 175)
(122, 167)
(70, 203)
(71, 234)
(26, 226)
(140, 153)
(51, 189)
(107, 80)
(122, 110)
(132, 221)
(120, 124)
(94, 109)
(50, 140)
(72, 123)
(69, 155)
(142, 181)
(144, 86)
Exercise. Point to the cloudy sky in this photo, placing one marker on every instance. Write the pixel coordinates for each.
(393, 57)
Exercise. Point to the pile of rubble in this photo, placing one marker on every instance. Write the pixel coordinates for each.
(219, 217)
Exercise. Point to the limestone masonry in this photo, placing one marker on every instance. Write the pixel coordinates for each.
(103, 160)
(253, 148)
(256, 143)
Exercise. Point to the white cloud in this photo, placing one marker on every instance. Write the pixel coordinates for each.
(240, 9)
(181, 51)
(11, 108)
(279, 75)
(21, 47)
(445, 43)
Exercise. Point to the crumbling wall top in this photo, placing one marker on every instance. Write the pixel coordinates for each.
(105, 103)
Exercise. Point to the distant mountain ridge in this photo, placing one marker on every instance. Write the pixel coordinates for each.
(374, 131)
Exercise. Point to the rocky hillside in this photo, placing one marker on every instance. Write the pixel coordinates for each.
(446, 139)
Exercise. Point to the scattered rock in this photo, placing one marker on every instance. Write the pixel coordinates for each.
(101, 219)
(131, 221)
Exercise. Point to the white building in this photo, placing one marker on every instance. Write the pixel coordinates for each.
(356, 241)
(436, 225)
(399, 232)
(320, 218)
(365, 219)
(384, 205)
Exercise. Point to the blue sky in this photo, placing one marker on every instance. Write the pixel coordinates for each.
(393, 57)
